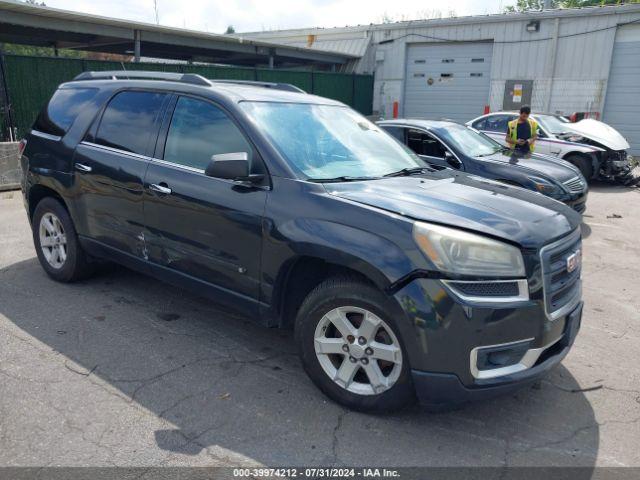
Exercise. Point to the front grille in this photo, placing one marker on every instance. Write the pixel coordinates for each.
(575, 185)
(580, 207)
(487, 289)
(562, 289)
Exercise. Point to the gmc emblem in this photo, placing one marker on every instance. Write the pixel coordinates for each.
(574, 260)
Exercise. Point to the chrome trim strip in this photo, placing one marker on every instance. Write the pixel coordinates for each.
(48, 136)
(176, 165)
(523, 291)
(575, 300)
(114, 150)
(527, 361)
(141, 157)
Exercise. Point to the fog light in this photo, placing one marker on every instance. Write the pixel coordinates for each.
(501, 356)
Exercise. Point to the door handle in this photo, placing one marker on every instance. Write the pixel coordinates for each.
(160, 188)
(83, 168)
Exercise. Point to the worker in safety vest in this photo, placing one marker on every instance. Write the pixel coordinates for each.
(522, 132)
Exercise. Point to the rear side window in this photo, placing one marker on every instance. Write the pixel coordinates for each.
(199, 130)
(63, 108)
(129, 120)
(480, 124)
(395, 132)
(497, 123)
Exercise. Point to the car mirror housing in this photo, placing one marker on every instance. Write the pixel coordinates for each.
(233, 166)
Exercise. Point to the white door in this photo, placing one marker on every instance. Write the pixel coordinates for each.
(447, 81)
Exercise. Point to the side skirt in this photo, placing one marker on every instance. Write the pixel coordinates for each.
(249, 307)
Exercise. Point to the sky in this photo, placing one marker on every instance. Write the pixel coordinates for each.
(253, 15)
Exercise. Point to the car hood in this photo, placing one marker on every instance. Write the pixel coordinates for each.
(599, 132)
(552, 167)
(464, 201)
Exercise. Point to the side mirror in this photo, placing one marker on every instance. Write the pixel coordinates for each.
(232, 166)
(451, 160)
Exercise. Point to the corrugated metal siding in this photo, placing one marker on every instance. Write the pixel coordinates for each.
(443, 81)
(623, 94)
(32, 80)
(574, 82)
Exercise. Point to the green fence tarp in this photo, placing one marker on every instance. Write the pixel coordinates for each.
(32, 80)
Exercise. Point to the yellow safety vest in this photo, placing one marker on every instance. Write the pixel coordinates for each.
(513, 132)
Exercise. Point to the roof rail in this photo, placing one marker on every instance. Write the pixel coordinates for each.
(288, 87)
(191, 78)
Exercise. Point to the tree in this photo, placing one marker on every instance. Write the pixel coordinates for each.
(526, 5)
(230, 29)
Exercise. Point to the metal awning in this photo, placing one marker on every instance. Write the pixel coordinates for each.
(27, 24)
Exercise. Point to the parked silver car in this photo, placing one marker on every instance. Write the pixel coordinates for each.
(597, 149)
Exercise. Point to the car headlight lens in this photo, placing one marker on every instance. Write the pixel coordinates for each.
(547, 188)
(463, 253)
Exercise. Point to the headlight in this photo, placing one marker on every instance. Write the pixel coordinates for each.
(458, 252)
(547, 188)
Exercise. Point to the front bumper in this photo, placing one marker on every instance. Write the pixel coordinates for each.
(441, 390)
(577, 201)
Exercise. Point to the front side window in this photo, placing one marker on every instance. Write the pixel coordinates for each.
(468, 141)
(552, 123)
(63, 108)
(424, 144)
(327, 141)
(200, 130)
(129, 120)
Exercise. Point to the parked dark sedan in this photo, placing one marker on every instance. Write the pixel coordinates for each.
(454, 146)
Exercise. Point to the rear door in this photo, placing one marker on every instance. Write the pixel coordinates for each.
(198, 227)
(109, 168)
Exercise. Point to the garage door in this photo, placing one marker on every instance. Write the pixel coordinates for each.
(622, 102)
(447, 80)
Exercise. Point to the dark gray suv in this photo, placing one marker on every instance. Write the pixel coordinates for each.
(400, 281)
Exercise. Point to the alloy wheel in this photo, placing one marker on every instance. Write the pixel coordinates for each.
(53, 240)
(358, 350)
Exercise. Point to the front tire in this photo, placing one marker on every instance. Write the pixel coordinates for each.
(351, 347)
(56, 243)
(583, 164)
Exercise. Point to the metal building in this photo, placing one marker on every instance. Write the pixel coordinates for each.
(565, 61)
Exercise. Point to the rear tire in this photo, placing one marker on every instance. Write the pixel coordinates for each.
(583, 164)
(56, 242)
(367, 369)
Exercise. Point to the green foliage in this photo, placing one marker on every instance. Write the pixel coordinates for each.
(525, 5)
(29, 50)
(230, 29)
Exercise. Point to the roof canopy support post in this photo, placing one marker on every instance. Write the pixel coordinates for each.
(136, 46)
(5, 104)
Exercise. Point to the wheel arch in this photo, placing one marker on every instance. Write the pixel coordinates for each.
(38, 192)
(592, 158)
(301, 274)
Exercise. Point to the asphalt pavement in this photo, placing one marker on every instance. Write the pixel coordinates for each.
(124, 370)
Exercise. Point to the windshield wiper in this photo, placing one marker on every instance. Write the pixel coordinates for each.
(409, 171)
(343, 178)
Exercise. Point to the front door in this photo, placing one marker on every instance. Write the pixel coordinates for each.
(431, 150)
(201, 228)
(109, 168)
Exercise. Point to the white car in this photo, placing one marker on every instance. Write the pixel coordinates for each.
(598, 150)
